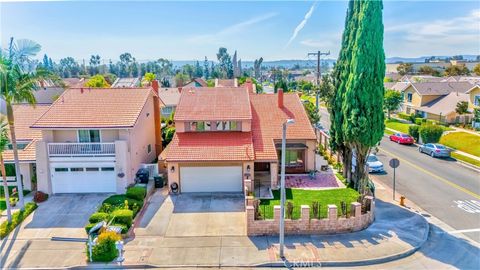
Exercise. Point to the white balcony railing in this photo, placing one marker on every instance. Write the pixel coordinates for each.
(81, 149)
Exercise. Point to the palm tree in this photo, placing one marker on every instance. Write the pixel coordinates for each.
(3, 145)
(19, 78)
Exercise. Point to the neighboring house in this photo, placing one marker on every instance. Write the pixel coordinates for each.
(474, 101)
(443, 109)
(95, 139)
(424, 99)
(170, 98)
(25, 115)
(196, 82)
(473, 97)
(226, 83)
(126, 83)
(225, 135)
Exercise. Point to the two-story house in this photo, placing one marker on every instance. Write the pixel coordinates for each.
(95, 139)
(434, 100)
(227, 134)
(474, 101)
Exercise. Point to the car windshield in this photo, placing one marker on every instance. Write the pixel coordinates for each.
(405, 135)
(372, 159)
(440, 146)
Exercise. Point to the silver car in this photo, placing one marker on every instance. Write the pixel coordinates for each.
(434, 150)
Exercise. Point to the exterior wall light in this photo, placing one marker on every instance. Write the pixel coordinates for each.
(172, 169)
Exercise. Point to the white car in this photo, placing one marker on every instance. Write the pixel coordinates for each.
(374, 165)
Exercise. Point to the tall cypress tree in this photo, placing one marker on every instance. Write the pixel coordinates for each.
(363, 117)
(340, 76)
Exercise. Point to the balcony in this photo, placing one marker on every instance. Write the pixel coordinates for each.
(81, 149)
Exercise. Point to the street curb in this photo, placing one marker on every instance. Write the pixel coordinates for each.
(283, 264)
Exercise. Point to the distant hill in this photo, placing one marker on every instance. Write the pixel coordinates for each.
(313, 63)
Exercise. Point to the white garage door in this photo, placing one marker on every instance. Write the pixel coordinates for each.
(83, 178)
(211, 179)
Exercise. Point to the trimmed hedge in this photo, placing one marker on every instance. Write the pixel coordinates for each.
(17, 218)
(99, 216)
(136, 193)
(413, 131)
(430, 133)
(404, 116)
(123, 216)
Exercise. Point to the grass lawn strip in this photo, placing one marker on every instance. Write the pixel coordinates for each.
(397, 125)
(463, 141)
(465, 159)
(305, 197)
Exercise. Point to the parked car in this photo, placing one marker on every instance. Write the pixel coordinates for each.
(401, 138)
(373, 164)
(434, 150)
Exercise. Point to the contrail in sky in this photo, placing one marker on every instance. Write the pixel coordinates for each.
(301, 24)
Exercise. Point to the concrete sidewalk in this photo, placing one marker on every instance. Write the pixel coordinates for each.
(396, 233)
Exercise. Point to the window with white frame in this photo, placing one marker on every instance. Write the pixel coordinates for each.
(89, 136)
(409, 97)
(476, 100)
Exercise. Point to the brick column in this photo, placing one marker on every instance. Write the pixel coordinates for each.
(248, 186)
(355, 209)
(305, 212)
(332, 212)
(276, 213)
(249, 200)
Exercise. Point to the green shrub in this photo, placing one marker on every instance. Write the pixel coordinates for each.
(430, 133)
(17, 217)
(123, 216)
(404, 116)
(123, 226)
(420, 121)
(88, 227)
(99, 216)
(119, 200)
(136, 193)
(413, 131)
(105, 250)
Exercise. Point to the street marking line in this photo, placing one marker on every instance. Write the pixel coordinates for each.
(471, 206)
(465, 231)
(471, 193)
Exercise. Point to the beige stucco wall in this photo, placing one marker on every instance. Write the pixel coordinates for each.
(142, 135)
(26, 172)
(106, 135)
(416, 99)
(122, 166)
(473, 93)
(427, 99)
(310, 155)
(43, 168)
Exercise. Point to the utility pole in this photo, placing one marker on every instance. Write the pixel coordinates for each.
(319, 72)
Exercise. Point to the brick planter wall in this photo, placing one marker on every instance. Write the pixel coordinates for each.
(330, 225)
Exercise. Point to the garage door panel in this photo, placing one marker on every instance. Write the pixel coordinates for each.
(83, 178)
(211, 179)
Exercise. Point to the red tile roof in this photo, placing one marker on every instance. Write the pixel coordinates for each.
(95, 108)
(25, 115)
(210, 146)
(268, 119)
(210, 103)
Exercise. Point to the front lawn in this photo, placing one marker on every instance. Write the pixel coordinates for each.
(3, 204)
(397, 125)
(305, 197)
(463, 141)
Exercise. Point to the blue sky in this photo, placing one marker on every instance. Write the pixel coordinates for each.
(191, 29)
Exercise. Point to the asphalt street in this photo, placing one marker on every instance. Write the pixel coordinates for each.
(443, 187)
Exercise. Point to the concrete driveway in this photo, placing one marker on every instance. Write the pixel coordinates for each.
(59, 216)
(194, 214)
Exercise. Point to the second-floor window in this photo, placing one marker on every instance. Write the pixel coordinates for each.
(476, 100)
(89, 136)
(214, 126)
(409, 97)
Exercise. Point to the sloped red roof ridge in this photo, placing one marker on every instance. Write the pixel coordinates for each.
(213, 103)
(95, 108)
(211, 146)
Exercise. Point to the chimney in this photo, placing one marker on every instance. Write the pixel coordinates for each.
(155, 86)
(280, 97)
(249, 85)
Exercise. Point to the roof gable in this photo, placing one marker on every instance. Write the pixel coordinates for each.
(211, 103)
(95, 108)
